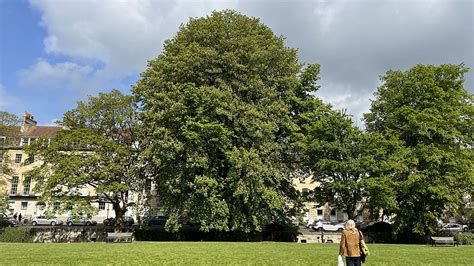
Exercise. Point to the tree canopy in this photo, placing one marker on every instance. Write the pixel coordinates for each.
(430, 112)
(100, 148)
(222, 107)
(353, 168)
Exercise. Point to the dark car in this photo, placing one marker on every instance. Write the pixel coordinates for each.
(127, 220)
(5, 222)
(157, 220)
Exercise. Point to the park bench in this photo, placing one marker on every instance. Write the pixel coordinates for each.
(119, 237)
(443, 240)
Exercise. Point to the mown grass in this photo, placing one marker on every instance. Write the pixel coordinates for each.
(218, 253)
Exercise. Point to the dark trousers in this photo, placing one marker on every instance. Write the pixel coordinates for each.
(353, 261)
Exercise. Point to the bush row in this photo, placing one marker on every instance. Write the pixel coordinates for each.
(17, 235)
(464, 238)
(160, 234)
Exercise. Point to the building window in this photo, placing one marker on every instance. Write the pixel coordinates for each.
(57, 205)
(18, 158)
(333, 212)
(24, 205)
(26, 186)
(320, 212)
(101, 206)
(14, 189)
(24, 141)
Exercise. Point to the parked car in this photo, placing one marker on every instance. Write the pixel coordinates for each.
(80, 220)
(6, 222)
(328, 226)
(42, 220)
(454, 228)
(157, 220)
(127, 220)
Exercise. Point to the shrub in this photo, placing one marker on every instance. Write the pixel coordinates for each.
(464, 238)
(17, 235)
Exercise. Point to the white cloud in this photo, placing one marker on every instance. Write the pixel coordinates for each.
(354, 41)
(60, 75)
(121, 34)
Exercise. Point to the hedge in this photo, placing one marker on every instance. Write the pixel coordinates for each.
(17, 235)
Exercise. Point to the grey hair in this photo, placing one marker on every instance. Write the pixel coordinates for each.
(350, 225)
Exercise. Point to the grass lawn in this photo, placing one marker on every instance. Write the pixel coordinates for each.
(212, 253)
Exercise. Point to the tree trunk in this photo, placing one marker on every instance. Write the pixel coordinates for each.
(119, 212)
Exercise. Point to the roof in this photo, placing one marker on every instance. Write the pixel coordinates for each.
(41, 131)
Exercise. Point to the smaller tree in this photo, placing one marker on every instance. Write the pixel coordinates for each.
(353, 168)
(97, 159)
(430, 112)
(8, 135)
(4, 204)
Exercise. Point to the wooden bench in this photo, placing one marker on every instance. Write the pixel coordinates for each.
(119, 237)
(443, 240)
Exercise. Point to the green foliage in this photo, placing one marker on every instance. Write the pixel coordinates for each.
(99, 150)
(4, 200)
(222, 107)
(9, 131)
(430, 112)
(464, 238)
(17, 235)
(351, 166)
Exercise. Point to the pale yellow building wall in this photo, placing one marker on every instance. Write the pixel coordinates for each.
(311, 208)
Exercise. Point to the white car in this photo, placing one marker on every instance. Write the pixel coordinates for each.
(328, 226)
(42, 220)
(454, 228)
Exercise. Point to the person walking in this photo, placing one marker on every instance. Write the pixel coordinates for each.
(19, 217)
(349, 246)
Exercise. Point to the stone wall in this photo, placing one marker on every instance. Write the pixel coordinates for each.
(68, 235)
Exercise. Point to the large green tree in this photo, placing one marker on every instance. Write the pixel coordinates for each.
(222, 107)
(99, 149)
(428, 109)
(353, 168)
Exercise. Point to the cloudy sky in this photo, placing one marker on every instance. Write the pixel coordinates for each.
(55, 52)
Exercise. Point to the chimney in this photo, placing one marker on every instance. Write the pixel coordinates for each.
(28, 122)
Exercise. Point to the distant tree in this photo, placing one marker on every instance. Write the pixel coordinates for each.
(430, 112)
(222, 107)
(8, 135)
(4, 200)
(353, 168)
(99, 149)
